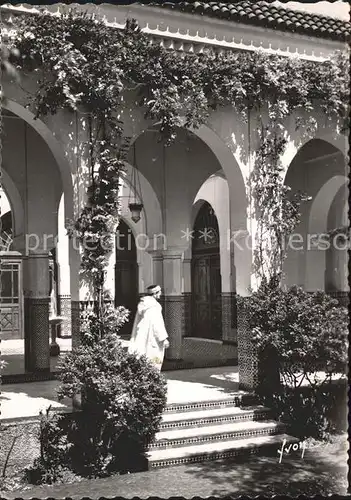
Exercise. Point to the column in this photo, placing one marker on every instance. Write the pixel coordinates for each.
(187, 326)
(110, 286)
(241, 270)
(78, 292)
(247, 354)
(173, 301)
(229, 315)
(36, 312)
(81, 179)
(157, 268)
(64, 285)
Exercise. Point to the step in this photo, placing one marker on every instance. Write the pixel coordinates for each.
(213, 416)
(236, 399)
(209, 434)
(221, 449)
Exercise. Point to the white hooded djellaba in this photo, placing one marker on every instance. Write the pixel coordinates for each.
(149, 331)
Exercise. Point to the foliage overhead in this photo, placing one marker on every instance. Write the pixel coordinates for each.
(84, 61)
(81, 63)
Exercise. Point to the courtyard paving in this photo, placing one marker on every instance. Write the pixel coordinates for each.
(322, 470)
(202, 384)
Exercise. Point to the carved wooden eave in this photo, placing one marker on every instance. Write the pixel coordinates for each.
(186, 32)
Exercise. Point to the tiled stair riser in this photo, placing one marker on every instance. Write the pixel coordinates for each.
(240, 400)
(227, 436)
(257, 416)
(236, 426)
(262, 449)
(203, 458)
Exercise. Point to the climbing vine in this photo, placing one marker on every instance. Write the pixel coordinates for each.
(80, 62)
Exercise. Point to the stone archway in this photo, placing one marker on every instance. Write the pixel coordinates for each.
(11, 296)
(206, 276)
(318, 169)
(39, 175)
(55, 147)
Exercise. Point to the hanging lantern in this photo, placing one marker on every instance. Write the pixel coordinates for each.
(134, 205)
(135, 210)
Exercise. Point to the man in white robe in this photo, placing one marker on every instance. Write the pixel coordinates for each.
(149, 335)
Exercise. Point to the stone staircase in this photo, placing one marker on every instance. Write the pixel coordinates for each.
(199, 431)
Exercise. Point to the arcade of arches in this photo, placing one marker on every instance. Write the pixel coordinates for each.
(181, 242)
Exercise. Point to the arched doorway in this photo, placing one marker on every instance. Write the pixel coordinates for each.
(126, 274)
(11, 310)
(206, 276)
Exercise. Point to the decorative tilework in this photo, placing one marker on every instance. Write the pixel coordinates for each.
(342, 297)
(36, 332)
(254, 415)
(75, 313)
(208, 352)
(229, 326)
(227, 436)
(174, 321)
(187, 315)
(247, 355)
(65, 311)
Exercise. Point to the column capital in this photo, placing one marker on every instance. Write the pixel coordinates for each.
(174, 253)
(38, 255)
(155, 254)
(169, 253)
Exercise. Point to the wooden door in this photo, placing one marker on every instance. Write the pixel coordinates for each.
(201, 297)
(216, 296)
(206, 277)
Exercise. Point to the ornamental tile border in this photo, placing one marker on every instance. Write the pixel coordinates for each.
(227, 436)
(204, 457)
(237, 400)
(264, 414)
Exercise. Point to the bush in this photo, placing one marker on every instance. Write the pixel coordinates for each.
(51, 465)
(307, 332)
(93, 328)
(312, 412)
(123, 399)
(297, 335)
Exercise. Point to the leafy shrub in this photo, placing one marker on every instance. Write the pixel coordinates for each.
(123, 399)
(93, 327)
(312, 412)
(51, 465)
(297, 336)
(306, 331)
